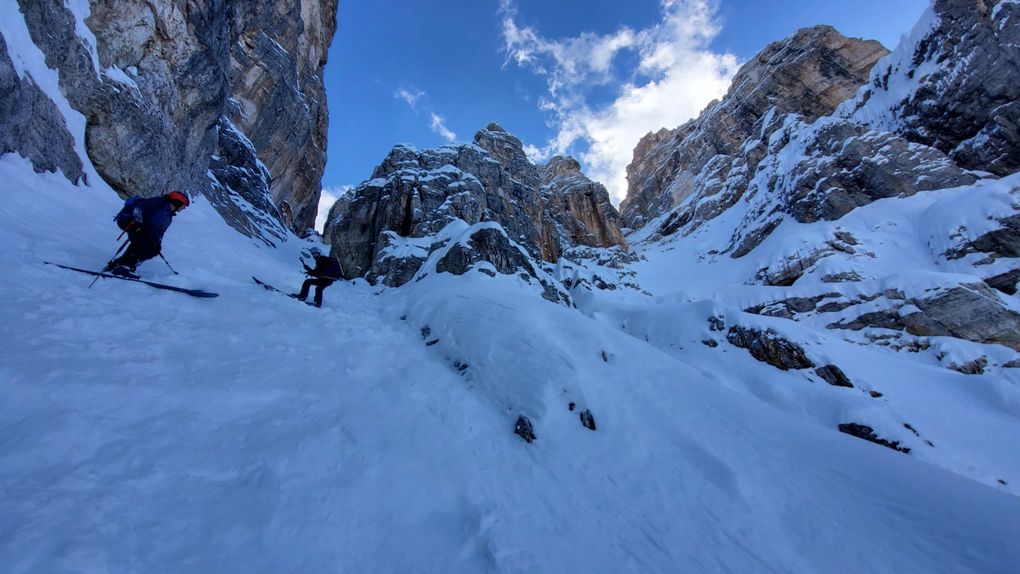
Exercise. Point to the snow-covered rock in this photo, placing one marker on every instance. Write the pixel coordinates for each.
(953, 85)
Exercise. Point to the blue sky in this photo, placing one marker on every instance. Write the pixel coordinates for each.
(586, 77)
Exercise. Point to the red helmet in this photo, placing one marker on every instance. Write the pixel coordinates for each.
(179, 198)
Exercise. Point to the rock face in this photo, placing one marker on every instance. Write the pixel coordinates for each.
(968, 311)
(954, 88)
(277, 96)
(942, 104)
(386, 228)
(580, 206)
(809, 73)
(31, 124)
(162, 82)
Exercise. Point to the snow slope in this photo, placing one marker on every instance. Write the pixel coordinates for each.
(147, 431)
(142, 430)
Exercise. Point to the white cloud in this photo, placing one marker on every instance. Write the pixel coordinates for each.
(438, 125)
(676, 75)
(327, 198)
(411, 95)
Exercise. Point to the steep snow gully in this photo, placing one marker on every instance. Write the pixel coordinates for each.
(145, 431)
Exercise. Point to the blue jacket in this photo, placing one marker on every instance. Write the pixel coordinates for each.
(153, 214)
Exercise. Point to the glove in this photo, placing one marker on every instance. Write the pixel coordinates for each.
(308, 270)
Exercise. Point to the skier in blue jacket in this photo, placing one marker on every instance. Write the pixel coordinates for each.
(145, 221)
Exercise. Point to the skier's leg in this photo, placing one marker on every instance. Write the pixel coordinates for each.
(304, 289)
(141, 248)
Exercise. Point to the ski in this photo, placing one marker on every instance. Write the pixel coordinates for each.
(269, 287)
(193, 292)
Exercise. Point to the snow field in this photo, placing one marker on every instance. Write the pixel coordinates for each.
(150, 431)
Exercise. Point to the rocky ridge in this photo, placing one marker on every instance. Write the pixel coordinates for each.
(809, 73)
(183, 95)
(389, 225)
(920, 124)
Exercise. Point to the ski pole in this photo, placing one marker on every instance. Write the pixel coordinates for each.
(111, 259)
(126, 229)
(168, 264)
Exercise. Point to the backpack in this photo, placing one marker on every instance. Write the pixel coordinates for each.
(127, 214)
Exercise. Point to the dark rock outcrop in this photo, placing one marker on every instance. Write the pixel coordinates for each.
(32, 125)
(834, 376)
(490, 245)
(239, 178)
(768, 347)
(867, 433)
(523, 429)
(587, 420)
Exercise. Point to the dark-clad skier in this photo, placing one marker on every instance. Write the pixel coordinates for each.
(145, 221)
(326, 271)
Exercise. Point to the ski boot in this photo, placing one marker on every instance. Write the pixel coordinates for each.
(120, 271)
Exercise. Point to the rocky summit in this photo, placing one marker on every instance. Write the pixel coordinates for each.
(385, 229)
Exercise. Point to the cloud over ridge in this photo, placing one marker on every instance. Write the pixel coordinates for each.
(675, 75)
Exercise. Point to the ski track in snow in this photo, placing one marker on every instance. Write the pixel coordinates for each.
(148, 431)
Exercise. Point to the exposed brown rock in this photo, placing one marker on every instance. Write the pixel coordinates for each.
(580, 206)
(278, 99)
(809, 73)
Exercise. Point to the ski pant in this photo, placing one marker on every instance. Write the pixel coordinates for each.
(320, 285)
(142, 248)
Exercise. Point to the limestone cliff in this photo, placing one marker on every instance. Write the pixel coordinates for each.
(192, 95)
(809, 73)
